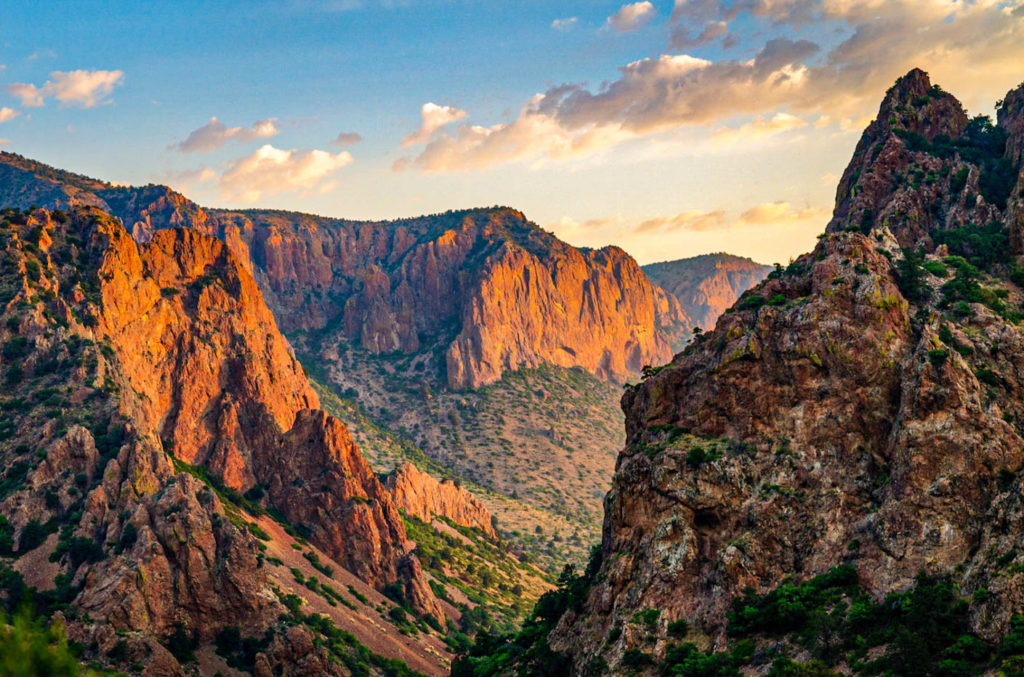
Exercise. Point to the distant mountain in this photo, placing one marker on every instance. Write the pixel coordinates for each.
(706, 286)
(480, 310)
(487, 288)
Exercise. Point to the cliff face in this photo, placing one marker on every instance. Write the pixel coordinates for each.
(116, 353)
(419, 494)
(491, 289)
(706, 286)
(858, 407)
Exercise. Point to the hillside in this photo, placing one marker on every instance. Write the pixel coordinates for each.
(831, 477)
(482, 291)
(708, 285)
(418, 325)
(157, 428)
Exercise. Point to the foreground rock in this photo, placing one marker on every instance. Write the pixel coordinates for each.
(862, 406)
(147, 389)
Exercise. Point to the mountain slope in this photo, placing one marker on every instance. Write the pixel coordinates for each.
(116, 356)
(833, 472)
(706, 286)
(419, 322)
(490, 289)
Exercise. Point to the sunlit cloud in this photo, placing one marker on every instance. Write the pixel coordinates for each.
(7, 114)
(632, 17)
(688, 220)
(772, 213)
(214, 135)
(759, 129)
(766, 232)
(80, 88)
(271, 170)
(434, 118)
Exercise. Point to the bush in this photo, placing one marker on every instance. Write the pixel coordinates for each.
(29, 648)
(910, 270)
(938, 356)
(750, 302)
(32, 536)
(678, 629)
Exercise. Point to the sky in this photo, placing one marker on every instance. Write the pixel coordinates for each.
(670, 128)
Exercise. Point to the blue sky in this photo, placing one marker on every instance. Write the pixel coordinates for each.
(670, 128)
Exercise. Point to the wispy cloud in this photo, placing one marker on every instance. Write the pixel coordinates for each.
(772, 213)
(688, 220)
(631, 17)
(346, 139)
(80, 88)
(434, 118)
(215, 134)
(756, 130)
(564, 24)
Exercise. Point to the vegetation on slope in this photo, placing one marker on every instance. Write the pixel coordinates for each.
(538, 447)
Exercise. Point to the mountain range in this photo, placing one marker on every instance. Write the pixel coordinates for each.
(174, 489)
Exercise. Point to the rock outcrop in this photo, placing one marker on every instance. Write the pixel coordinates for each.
(419, 494)
(147, 384)
(862, 406)
(708, 285)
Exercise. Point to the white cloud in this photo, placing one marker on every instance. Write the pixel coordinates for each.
(30, 95)
(8, 114)
(347, 139)
(273, 170)
(564, 24)
(694, 219)
(759, 129)
(681, 38)
(215, 134)
(434, 118)
(772, 213)
(631, 17)
(84, 89)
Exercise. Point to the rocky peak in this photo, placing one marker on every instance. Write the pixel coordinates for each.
(861, 406)
(706, 285)
(921, 166)
(1010, 117)
(419, 494)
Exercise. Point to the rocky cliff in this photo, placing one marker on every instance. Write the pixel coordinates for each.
(492, 290)
(708, 285)
(147, 387)
(861, 407)
(419, 494)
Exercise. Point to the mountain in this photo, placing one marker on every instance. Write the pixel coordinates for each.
(457, 341)
(159, 437)
(832, 476)
(488, 289)
(708, 285)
